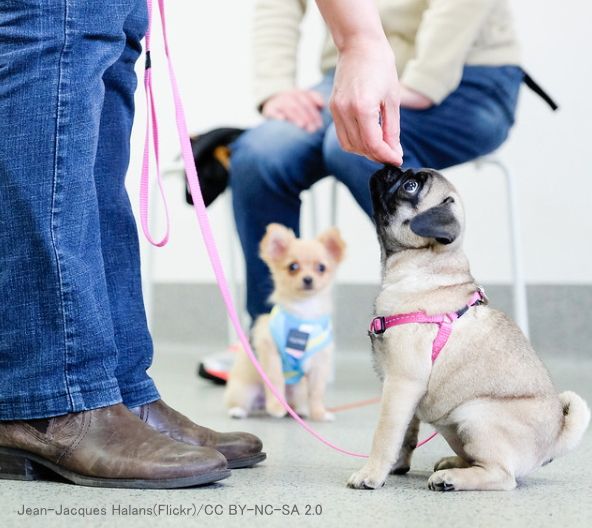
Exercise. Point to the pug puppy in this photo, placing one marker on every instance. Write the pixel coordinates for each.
(487, 393)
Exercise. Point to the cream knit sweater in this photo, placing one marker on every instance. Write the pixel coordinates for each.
(432, 41)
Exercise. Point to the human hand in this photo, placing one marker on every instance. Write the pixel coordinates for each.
(414, 100)
(365, 101)
(301, 107)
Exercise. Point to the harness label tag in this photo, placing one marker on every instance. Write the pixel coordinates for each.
(296, 342)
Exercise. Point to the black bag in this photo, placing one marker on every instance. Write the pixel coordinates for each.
(211, 155)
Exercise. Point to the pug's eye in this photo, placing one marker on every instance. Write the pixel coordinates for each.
(411, 186)
(321, 268)
(293, 267)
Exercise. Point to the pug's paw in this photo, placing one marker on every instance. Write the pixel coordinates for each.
(442, 480)
(366, 478)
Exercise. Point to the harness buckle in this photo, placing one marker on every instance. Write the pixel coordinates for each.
(378, 326)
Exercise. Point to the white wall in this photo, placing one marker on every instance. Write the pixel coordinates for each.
(548, 153)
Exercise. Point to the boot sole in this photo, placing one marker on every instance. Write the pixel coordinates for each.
(246, 462)
(17, 464)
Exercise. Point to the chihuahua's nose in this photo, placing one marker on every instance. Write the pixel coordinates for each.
(307, 281)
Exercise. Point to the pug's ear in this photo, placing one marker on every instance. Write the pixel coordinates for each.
(331, 239)
(438, 222)
(276, 242)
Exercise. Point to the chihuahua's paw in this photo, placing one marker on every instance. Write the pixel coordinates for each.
(329, 417)
(237, 412)
(366, 478)
(442, 480)
(303, 413)
(277, 411)
(322, 416)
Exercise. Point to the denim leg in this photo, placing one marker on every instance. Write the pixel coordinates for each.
(119, 235)
(57, 347)
(472, 121)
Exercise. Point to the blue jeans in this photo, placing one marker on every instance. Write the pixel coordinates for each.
(73, 333)
(274, 162)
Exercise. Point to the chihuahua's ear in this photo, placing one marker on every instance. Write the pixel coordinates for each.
(331, 239)
(438, 222)
(275, 243)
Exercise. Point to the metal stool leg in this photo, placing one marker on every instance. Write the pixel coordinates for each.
(233, 256)
(314, 216)
(147, 255)
(520, 296)
(334, 197)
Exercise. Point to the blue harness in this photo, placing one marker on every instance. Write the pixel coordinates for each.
(298, 340)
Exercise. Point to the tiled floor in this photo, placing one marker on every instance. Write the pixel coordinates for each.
(308, 480)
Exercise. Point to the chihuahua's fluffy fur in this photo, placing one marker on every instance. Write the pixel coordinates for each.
(487, 393)
(303, 272)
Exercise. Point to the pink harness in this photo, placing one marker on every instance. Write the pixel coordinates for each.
(379, 325)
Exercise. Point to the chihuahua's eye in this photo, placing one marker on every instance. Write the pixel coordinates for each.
(321, 268)
(411, 186)
(294, 267)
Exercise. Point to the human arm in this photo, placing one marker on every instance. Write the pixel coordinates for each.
(276, 34)
(365, 100)
(447, 31)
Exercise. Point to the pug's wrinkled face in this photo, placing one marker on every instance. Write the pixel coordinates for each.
(415, 209)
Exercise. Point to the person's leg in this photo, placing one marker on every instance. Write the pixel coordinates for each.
(270, 166)
(473, 121)
(119, 236)
(57, 348)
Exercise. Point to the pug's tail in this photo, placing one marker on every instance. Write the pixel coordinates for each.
(576, 416)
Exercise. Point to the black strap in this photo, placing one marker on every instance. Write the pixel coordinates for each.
(536, 88)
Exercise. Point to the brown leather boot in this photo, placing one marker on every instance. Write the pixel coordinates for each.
(240, 449)
(107, 447)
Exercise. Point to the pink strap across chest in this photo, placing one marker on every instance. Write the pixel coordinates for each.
(379, 325)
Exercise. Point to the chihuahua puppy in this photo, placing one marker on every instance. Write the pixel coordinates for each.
(294, 343)
(487, 393)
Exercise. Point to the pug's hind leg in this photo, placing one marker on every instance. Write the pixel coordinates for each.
(451, 462)
(487, 477)
(403, 464)
(488, 468)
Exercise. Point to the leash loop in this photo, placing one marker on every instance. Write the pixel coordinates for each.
(151, 130)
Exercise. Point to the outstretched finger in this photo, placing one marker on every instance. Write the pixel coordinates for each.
(391, 129)
(371, 140)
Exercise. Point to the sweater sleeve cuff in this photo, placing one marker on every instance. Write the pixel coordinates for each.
(268, 88)
(432, 86)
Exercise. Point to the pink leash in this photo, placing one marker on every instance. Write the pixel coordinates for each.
(202, 217)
